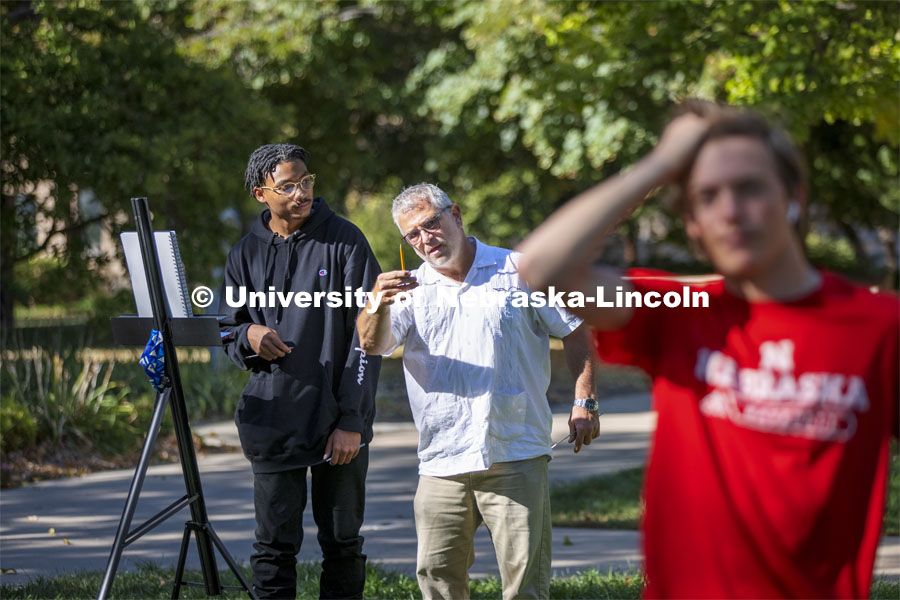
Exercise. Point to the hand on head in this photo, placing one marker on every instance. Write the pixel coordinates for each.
(682, 137)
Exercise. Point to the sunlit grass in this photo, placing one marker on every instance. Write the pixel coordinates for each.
(610, 501)
(151, 581)
(613, 501)
(892, 508)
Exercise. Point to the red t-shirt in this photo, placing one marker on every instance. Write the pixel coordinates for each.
(767, 475)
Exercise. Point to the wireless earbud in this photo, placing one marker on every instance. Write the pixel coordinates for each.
(793, 212)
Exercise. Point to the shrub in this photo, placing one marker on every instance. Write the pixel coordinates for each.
(18, 427)
(58, 397)
(212, 390)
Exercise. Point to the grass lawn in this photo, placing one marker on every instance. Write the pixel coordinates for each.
(153, 582)
(610, 501)
(892, 509)
(613, 501)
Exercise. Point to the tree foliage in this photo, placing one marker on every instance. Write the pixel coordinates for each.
(585, 88)
(339, 71)
(98, 96)
(511, 107)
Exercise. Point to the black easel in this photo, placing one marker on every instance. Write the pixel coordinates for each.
(193, 331)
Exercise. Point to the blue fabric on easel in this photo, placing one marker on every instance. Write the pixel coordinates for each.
(153, 361)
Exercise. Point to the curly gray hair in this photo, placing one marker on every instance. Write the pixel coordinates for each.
(412, 195)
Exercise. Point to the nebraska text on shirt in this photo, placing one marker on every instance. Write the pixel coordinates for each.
(518, 298)
(774, 399)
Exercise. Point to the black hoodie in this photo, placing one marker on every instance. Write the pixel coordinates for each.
(292, 404)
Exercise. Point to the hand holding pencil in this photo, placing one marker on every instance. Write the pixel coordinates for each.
(391, 283)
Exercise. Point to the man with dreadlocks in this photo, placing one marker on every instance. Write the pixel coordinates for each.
(309, 403)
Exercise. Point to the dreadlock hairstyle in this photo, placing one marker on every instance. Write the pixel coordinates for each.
(266, 159)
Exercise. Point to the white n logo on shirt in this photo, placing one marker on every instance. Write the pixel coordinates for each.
(777, 356)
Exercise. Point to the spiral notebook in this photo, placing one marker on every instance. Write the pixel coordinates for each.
(174, 281)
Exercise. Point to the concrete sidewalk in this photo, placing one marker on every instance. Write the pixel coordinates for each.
(84, 512)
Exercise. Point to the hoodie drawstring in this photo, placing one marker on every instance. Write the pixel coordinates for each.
(268, 254)
(291, 241)
(269, 245)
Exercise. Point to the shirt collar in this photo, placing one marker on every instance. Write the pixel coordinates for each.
(485, 256)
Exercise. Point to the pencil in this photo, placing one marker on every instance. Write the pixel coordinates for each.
(402, 263)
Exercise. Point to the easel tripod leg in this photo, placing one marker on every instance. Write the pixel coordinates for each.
(182, 557)
(230, 560)
(134, 493)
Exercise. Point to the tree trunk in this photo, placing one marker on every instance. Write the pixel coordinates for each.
(859, 252)
(888, 239)
(7, 264)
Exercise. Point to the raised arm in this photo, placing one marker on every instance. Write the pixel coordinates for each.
(560, 252)
(374, 321)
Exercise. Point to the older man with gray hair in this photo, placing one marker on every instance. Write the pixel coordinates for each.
(477, 375)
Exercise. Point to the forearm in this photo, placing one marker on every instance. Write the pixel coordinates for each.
(583, 424)
(560, 251)
(356, 393)
(374, 329)
(236, 321)
(579, 359)
(237, 346)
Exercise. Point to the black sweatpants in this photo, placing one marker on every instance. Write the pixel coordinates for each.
(338, 501)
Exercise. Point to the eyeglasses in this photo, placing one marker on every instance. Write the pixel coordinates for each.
(430, 225)
(288, 189)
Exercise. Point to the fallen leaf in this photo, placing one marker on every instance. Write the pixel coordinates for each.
(567, 541)
(67, 542)
(8, 571)
(51, 531)
(32, 517)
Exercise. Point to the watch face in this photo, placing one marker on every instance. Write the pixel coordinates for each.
(590, 404)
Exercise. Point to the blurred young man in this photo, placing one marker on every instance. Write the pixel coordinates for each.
(477, 375)
(776, 403)
(311, 399)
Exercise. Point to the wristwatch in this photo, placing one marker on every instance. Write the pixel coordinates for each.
(590, 404)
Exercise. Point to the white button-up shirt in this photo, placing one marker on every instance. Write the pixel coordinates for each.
(477, 373)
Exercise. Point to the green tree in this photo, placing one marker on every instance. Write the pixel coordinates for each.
(512, 108)
(339, 69)
(574, 91)
(98, 97)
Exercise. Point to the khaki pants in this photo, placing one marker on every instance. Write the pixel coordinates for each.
(513, 500)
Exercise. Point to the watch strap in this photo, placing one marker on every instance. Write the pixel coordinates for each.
(590, 404)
